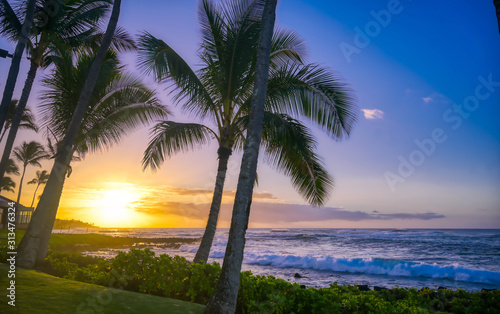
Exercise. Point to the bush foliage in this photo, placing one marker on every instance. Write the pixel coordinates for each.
(175, 277)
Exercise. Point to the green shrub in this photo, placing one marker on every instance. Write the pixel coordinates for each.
(175, 277)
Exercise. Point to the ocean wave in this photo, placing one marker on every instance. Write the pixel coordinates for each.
(374, 266)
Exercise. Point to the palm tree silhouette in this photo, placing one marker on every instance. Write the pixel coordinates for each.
(41, 178)
(221, 91)
(7, 185)
(29, 154)
(27, 120)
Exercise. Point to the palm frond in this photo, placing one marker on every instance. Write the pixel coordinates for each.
(12, 168)
(313, 92)
(168, 138)
(289, 147)
(286, 46)
(7, 185)
(10, 24)
(158, 58)
(121, 42)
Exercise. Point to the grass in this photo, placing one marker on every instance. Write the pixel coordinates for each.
(41, 293)
(92, 242)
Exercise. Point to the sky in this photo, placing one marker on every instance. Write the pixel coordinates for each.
(425, 152)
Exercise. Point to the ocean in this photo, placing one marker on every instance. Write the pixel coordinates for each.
(451, 258)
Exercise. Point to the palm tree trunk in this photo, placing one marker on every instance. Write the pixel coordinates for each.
(43, 216)
(43, 247)
(3, 134)
(208, 236)
(497, 6)
(226, 293)
(16, 121)
(16, 61)
(20, 186)
(34, 195)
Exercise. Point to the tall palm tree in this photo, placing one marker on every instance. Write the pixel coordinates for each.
(41, 178)
(221, 92)
(143, 108)
(22, 38)
(29, 154)
(27, 120)
(70, 25)
(226, 293)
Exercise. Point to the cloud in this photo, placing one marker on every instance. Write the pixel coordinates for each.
(435, 98)
(265, 212)
(301, 213)
(195, 192)
(427, 99)
(372, 114)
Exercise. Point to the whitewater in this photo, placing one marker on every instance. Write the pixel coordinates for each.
(451, 258)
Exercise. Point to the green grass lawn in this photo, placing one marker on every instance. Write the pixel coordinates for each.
(41, 293)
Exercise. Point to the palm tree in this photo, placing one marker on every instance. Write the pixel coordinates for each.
(71, 25)
(221, 92)
(29, 154)
(27, 120)
(226, 293)
(35, 242)
(12, 168)
(6, 24)
(7, 185)
(41, 178)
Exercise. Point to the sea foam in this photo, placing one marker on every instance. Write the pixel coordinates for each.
(374, 266)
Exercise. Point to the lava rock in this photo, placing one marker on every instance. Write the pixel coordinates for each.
(442, 288)
(302, 286)
(377, 288)
(363, 288)
(297, 275)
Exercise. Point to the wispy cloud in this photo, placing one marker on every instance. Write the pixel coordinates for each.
(264, 212)
(372, 114)
(193, 192)
(427, 99)
(435, 98)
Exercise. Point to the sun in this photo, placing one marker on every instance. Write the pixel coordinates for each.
(115, 207)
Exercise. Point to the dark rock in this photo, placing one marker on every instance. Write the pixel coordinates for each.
(302, 286)
(442, 288)
(484, 289)
(377, 288)
(297, 275)
(363, 288)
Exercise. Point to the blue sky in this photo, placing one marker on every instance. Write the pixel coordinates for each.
(410, 74)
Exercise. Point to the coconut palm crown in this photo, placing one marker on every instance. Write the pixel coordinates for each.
(220, 92)
(29, 153)
(118, 104)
